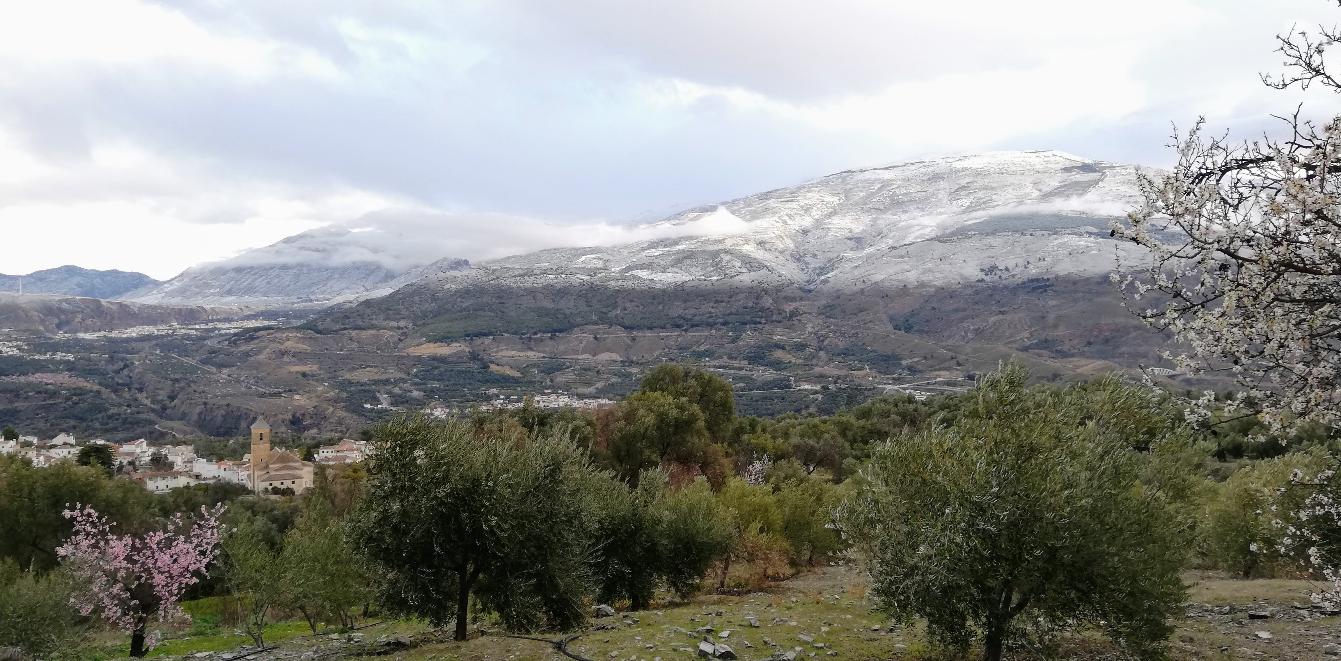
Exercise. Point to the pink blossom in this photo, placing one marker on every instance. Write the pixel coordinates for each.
(126, 579)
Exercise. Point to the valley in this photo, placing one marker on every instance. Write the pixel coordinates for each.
(909, 278)
(806, 352)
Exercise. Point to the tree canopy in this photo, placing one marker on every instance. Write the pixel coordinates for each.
(1023, 517)
(453, 511)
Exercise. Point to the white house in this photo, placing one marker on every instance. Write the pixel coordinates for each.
(207, 470)
(344, 452)
(182, 457)
(62, 452)
(159, 482)
(64, 439)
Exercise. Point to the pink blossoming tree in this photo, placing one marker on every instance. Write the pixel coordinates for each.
(128, 579)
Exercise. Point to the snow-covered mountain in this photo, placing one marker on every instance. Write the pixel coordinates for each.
(990, 217)
(986, 217)
(313, 269)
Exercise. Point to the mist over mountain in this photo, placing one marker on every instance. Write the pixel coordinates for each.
(76, 281)
(808, 297)
(312, 269)
(978, 219)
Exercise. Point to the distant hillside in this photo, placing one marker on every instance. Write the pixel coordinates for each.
(76, 281)
(309, 270)
(62, 314)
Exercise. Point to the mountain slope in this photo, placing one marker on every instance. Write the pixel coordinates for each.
(67, 314)
(991, 218)
(312, 269)
(76, 281)
(941, 222)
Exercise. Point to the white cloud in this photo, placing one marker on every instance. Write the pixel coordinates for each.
(154, 135)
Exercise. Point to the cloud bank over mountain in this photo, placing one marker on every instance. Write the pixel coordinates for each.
(152, 136)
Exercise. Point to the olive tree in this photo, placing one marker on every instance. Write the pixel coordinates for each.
(710, 393)
(254, 576)
(653, 428)
(454, 511)
(35, 611)
(1023, 517)
(324, 575)
(630, 553)
(696, 533)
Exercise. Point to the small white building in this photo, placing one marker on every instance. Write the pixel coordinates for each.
(62, 452)
(64, 439)
(182, 457)
(345, 452)
(9, 447)
(208, 470)
(160, 481)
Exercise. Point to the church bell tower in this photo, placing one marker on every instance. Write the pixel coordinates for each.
(260, 448)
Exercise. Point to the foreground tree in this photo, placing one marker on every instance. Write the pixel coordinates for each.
(254, 576)
(696, 533)
(324, 575)
(630, 553)
(1022, 518)
(128, 579)
(452, 512)
(1245, 241)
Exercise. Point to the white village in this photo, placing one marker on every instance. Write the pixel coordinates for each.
(161, 468)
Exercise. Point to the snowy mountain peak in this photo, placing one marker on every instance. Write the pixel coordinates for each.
(939, 221)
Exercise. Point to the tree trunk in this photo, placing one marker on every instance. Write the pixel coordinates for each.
(137, 649)
(311, 617)
(462, 605)
(993, 643)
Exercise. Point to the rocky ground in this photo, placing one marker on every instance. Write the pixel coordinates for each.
(825, 614)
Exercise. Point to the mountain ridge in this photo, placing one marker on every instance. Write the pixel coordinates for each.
(71, 280)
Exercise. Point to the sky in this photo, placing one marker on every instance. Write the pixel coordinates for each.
(153, 136)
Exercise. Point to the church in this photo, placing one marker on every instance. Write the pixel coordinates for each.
(275, 469)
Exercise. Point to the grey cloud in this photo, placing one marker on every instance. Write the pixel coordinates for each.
(540, 110)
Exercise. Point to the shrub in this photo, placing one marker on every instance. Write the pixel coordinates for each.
(35, 611)
(1244, 529)
(697, 534)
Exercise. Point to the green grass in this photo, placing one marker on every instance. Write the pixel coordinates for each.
(110, 645)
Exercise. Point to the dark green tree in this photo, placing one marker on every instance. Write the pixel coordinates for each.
(159, 461)
(35, 611)
(630, 553)
(9, 434)
(254, 576)
(696, 534)
(1023, 518)
(325, 577)
(97, 455)
(32, 502)
(710, 393)
(453, 512)
(652, 428)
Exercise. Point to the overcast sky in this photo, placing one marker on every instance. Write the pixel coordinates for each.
(151, 136)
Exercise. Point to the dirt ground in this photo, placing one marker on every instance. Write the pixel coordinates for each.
(826, 613)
